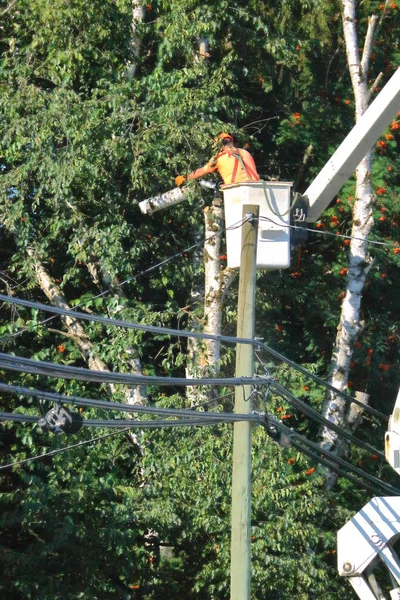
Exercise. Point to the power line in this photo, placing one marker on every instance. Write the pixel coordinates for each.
(333, 467)
(38, 367)
(133, 278)
(61, 450)
(328, 233)
(340, 461)
(317, 379)
(320, 381)
(313, 450)
(63, 371)
(298, 441)
(173, 412)
(198, 420)
(315, 416)
(125, 407)
(190, 334)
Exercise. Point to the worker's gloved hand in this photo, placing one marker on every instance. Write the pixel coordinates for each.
(180, 180)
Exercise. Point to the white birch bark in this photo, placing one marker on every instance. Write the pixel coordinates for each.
(204, 356)
(76, 331)
(217, 283)
(195, 346)
(359, 262)
(137, 19)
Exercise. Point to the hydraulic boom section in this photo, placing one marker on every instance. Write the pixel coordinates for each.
(366, 540)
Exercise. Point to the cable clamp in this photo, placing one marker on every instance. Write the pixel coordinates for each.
(60, 420)
(258, 339)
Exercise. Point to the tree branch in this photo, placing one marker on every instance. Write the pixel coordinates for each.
(368, 44)
(9, 7)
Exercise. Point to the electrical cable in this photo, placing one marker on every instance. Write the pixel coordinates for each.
(327, 233)
(298, 441)
(213, 401)
(125, 407)
(53, 370)
(204, 416)
(133, 278)
(192, 334)
(155, 424)
(18, 417)
(121, 323)
(329, 460)
(38, 367)
(65, 449)
(315, 416)
(331, 466)
(340, 461)
(320, 381)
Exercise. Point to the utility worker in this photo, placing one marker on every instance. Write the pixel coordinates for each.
(235, 165)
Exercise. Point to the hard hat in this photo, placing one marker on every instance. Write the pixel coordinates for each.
(224, 136)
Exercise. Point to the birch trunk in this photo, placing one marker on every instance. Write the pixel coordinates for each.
(217, 283)
(195, 346)
(204, 356)
(359, 262)
(137, 19)
(76, 331)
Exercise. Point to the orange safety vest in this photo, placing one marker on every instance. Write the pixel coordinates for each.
(234, 165)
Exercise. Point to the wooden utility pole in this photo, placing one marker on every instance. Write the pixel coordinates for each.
(241, 474)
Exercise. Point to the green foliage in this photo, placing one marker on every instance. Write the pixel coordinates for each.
(81, 142)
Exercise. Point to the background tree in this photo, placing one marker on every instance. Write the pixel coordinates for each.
(82, 141)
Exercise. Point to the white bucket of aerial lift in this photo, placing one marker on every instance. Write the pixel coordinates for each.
(370, 535)
(392, 437)
(273, 240)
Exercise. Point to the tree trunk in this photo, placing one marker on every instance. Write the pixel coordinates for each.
(137, 19)
(204, 356)
(217, 283)
(77, 332)
(359, 263)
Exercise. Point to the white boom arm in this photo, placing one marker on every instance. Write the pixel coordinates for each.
(365, 539)
(354, 147)
(392, 437)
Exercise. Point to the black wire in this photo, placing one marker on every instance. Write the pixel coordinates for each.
(125, 324)
(18, 417)
(125, 407)
(157, 423)
(316, 453)
(192, 334)
(340, 461)
(211, 402)
(320, 381)
(337, 470)
(129, 279)
(38, 367)
(328, 459)
(327, 233)
(65, 449)
(63, 371)
(315, 416)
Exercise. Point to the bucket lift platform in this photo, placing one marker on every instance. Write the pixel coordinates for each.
(366, 540)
